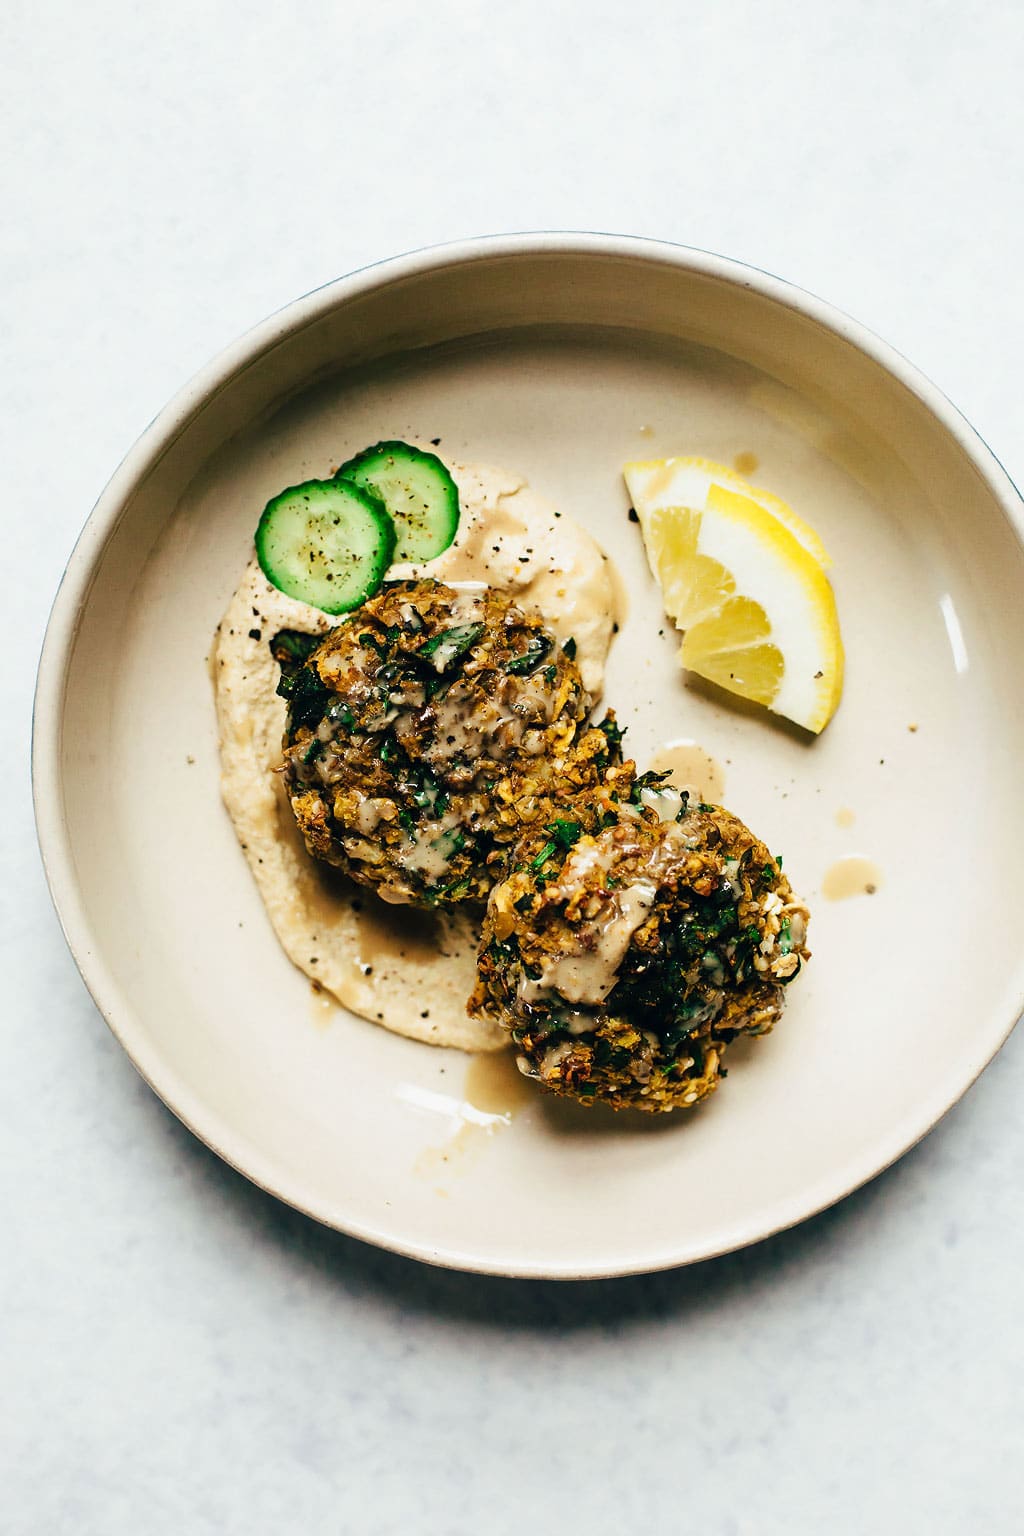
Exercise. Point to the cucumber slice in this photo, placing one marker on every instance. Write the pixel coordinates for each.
(420, 495)
(326, 542)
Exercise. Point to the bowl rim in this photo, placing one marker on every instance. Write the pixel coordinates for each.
(71, 599)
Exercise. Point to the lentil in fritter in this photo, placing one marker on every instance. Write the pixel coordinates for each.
(632, 941)
(424, 734)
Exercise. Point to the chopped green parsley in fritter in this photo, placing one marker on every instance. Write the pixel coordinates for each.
(628, 948)
(426, 732)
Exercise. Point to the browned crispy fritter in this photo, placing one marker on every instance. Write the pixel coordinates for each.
(624, 952)
(425, 734)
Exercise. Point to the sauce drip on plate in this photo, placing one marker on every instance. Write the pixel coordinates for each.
(852, 876)
(691, 768)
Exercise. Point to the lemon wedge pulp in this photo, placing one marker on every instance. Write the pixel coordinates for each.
(756, 608)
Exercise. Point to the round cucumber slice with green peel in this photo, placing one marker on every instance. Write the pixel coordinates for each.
(327, 543)
(420, 495)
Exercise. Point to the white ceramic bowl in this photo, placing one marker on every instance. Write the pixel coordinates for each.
(561, 357)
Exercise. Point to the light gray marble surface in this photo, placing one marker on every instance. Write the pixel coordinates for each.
(179, 1352)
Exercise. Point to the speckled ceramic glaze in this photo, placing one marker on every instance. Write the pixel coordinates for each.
(562, 357)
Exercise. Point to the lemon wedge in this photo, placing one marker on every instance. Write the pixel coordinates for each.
(685, 482)
(756, 608)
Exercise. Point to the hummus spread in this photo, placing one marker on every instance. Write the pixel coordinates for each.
(409, 970)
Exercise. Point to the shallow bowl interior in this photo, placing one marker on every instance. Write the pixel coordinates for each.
(561, 358)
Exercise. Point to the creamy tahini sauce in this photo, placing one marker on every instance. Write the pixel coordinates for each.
(666, 801)
(692, 768)
(589, 972)
(389, 933)
(493, 1093)
(495, 1085)
(852, 876)
(469, 727)
(323, 1007)
(431, 855)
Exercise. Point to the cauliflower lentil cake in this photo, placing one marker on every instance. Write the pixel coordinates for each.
(632, 941)
(423, 734)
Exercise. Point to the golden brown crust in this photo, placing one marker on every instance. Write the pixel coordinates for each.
(440, 721)
(624, 964)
